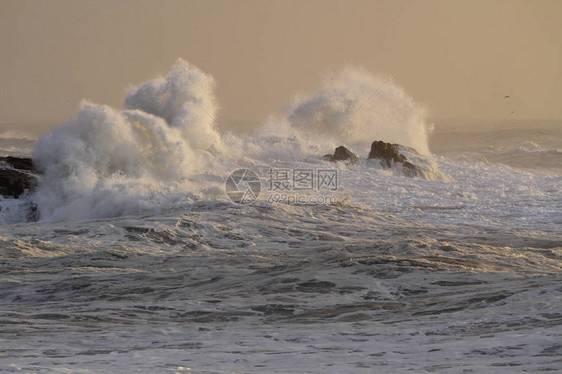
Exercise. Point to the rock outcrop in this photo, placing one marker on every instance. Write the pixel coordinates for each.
(387, 152)
(342, 154)
(19, 163)
(17, 175)
(390, 154)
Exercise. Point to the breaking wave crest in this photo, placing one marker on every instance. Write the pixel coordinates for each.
(352, 107)
(109, 162)
(150, 155)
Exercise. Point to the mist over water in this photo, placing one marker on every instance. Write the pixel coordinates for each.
(16, 143)
(138, 248)
(110, 162)
(354, 107)
(166, 148)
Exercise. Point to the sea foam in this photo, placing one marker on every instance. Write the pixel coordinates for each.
(108, 162)
(352, 107)
(166, 144)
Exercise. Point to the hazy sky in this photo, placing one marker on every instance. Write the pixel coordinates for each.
(464, 56)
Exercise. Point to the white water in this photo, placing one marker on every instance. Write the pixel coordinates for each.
(141, 263)
(108, 162)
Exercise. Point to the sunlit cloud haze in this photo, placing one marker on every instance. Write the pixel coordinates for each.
(460, 59)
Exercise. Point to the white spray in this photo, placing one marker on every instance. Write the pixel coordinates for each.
(109, 162)
(354, 108)
(164, 145)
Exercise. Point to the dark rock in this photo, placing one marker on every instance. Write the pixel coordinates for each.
(20, 163)
(403, 147)
(17, 174)
(387, 152)
(13, 183)
(390, 154)
(342, 154)
(410, 170)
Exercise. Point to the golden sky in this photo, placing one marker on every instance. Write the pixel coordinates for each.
(463, 57)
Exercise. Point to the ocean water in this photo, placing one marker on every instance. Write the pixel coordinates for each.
(140, 261)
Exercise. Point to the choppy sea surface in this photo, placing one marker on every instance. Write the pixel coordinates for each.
(402, 274)
(139, 261)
